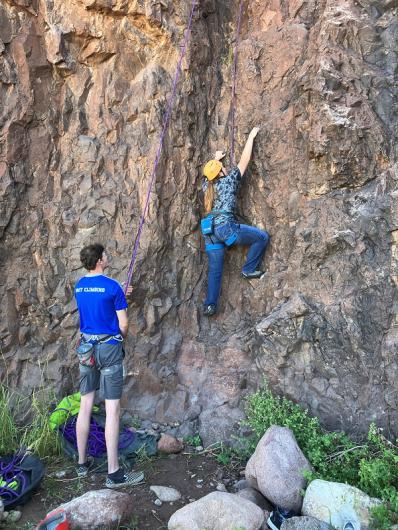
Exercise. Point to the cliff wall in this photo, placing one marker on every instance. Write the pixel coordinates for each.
(83, 91)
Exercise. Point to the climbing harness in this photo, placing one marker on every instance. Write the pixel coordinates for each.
(160, 146)
(234, 77)
(86, 347)
(207, 228)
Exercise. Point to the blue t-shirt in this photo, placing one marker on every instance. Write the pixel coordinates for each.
(98, 298)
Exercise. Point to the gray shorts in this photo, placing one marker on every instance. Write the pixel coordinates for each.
(107, 374)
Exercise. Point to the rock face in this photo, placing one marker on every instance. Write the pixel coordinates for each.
(337, 503)
(98, 509)
(218, 511)
(83, 90)
(276, 468)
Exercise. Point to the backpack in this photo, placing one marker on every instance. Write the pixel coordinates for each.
(20, 475)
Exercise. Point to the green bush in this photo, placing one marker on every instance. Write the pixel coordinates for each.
(371, 465)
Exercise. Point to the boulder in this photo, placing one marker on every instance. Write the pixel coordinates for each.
(1, 510)
(304, 523)
(169, 444)
(98, 509)
(166, 494)
(337, 503)
(255, 496)
(276, 468)
(218, 511)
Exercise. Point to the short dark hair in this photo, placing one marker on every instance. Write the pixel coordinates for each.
(90, 255)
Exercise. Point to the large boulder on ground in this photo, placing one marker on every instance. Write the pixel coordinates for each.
(276, 468)
(304, 523)
(98, 509)
(218, 511)
(337, 503)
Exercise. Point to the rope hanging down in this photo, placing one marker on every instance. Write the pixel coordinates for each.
(160, 146)
(234, 76)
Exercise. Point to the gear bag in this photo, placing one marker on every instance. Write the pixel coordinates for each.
(20, 475)
(130, 442)
(207, 225)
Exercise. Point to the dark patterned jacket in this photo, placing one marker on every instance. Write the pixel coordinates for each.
(226, 189)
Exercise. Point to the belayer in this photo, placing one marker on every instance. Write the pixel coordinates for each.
(220, 227)
(103, 325)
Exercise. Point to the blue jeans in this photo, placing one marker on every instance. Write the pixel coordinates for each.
(246, 235)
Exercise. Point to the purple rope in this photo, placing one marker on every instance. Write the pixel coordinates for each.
(96, 445)
(234, 76)
(160, 146)
(10, 472)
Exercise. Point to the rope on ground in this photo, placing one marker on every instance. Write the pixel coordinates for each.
(160, 146)
(234, 77)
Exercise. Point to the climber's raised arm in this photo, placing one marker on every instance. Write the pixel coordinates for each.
(247, 151)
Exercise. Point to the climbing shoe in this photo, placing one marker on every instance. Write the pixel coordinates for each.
(253, 275)
(349, 526)
(210, 310)
(82, 470)
(277, 517)
(120, 479)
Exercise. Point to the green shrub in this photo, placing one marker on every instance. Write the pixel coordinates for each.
(371, 465)
(194, 441)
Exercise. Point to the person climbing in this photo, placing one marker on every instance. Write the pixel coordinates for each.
(220, 227)
(103, 325)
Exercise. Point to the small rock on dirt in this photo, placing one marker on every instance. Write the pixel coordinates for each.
(166, 494)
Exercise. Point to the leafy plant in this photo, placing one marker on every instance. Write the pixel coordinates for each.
(224, 455)
(371, 465)
(195, 441)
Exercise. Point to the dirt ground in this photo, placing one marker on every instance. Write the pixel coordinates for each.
(194, 475)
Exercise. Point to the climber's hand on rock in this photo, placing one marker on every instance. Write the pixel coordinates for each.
(254, 131)
(219, 155)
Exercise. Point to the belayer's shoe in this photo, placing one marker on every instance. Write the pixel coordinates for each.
(349, 526)
(255, 275)
(120, 479)
(82, 470)
(277, 517)
(210, 310)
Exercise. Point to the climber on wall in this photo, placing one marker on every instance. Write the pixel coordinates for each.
(220, 227)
